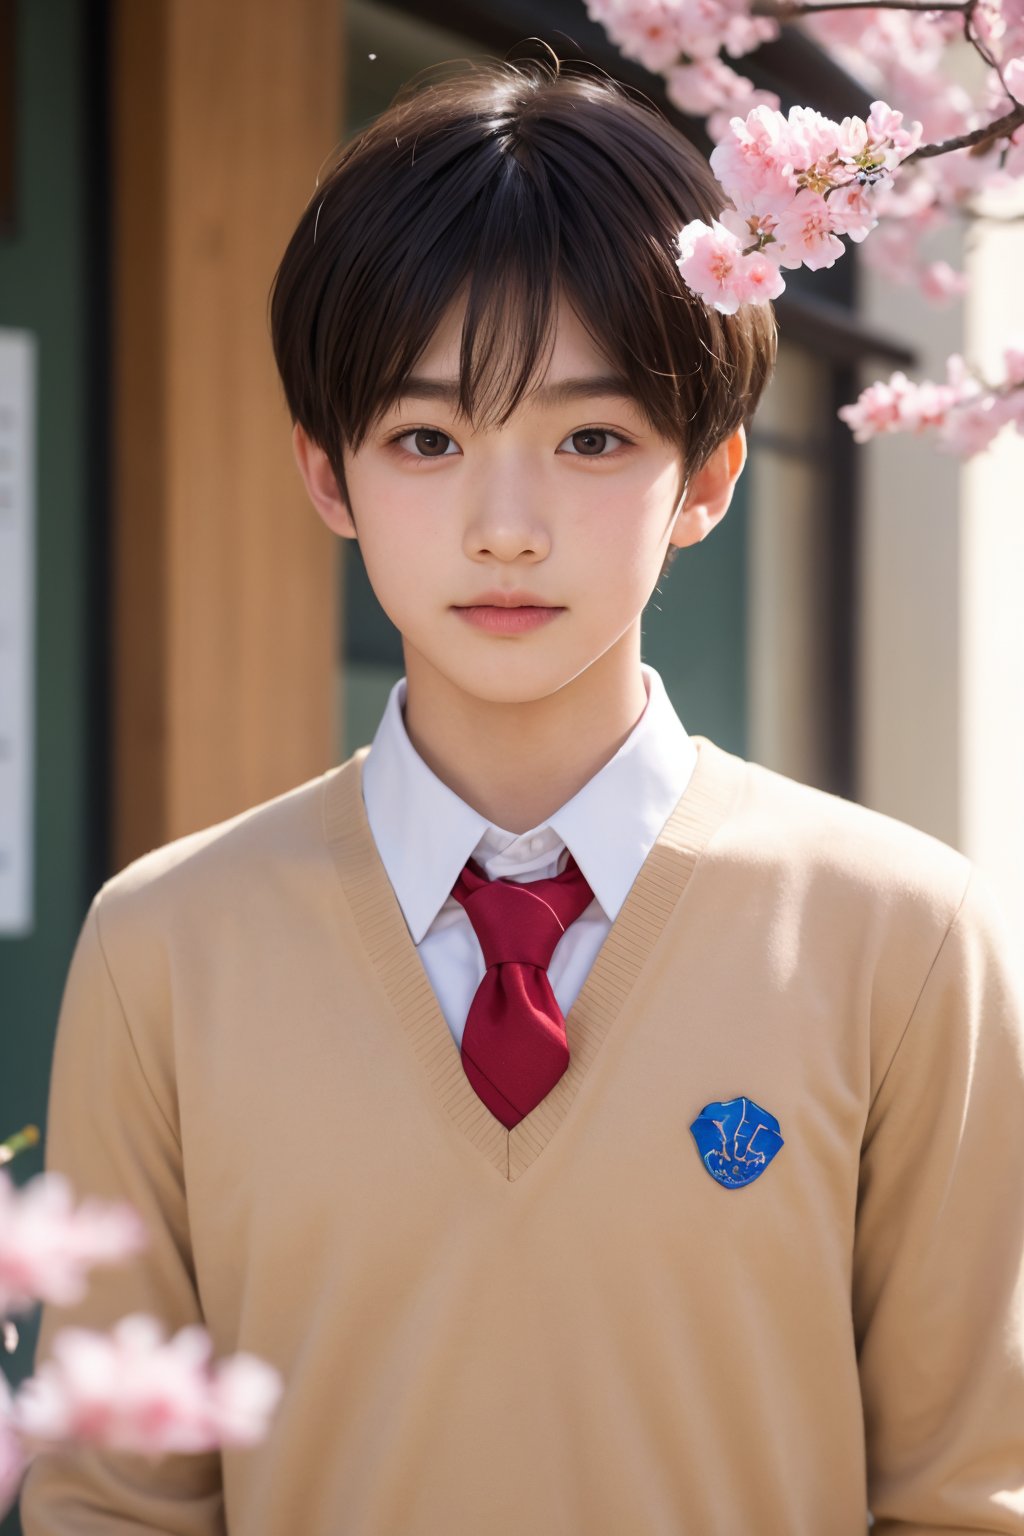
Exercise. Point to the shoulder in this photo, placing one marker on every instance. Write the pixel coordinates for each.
(215, 875)
(850, 903)
(823, 851)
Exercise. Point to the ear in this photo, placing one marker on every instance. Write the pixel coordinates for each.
(321, 483)
(710, 491)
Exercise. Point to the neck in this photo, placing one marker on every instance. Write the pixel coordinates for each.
(517, 763)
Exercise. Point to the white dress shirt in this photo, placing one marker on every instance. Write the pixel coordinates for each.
(425, 834)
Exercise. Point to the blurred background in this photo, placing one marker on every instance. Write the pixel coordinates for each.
(180, 636)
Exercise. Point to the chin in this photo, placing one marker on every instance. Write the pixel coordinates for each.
(510, 679)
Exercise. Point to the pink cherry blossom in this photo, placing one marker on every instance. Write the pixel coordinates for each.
(939, 282)
(710, 261)
(698, 88)
(852, 211)
(914, 201)
(962, 414)
(718, 121)
(758, 280)
(892, 250)
(960, 377)
(244, 1393)
(1011, 408)
(710, 86)
(650, 31)
(653, 33)
(877, 408)
(884, 129)
(46, 1247)
(658, 33)
(744, 33)
(970, 427)
(1013, 74)
(714, 265)
(1013, 362)
(131, 1391)
(805, 234)
(812, 145)
(753, 164)
(750, 228)
(926, 405)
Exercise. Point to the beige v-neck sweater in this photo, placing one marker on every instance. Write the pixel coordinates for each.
(572, 1328)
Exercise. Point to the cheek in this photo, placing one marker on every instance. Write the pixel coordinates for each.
(398, 542)
(390, 510)
(624, 525)
(662, 492)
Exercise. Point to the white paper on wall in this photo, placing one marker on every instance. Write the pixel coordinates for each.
(18, 376)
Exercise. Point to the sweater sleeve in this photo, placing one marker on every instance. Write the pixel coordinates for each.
(113, 1138)
(938, 1264)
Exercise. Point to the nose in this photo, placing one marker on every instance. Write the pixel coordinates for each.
(507, 519)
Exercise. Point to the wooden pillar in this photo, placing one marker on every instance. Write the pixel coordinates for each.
(225, 582)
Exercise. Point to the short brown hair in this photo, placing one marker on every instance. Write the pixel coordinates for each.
(514, 181)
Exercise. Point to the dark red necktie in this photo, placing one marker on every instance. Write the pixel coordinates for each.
(514, 1048)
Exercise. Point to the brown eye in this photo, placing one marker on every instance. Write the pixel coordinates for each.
(591, 443)
(430, 443)
(584, 442)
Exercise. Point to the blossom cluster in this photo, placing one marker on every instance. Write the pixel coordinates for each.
(796, 185)
(964, 414)
(47, 1247)
(131, 1390)
(681, 39)
(890, 50)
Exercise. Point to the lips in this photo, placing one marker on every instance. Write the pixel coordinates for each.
(512, 599)
(508, 619)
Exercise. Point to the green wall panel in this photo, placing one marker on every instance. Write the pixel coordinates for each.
(694, 629)
(52, 283)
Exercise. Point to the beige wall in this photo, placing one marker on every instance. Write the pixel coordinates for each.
(225, 582)
(910, 621)
(942, 634)
(992, 586)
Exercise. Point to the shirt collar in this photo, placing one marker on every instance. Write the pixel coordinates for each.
(612, 823)
(425, 833)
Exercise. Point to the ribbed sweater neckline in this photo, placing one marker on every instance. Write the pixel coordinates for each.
(654, 894)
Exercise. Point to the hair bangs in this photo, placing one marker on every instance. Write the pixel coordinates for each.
(509, 324)
(510, 185)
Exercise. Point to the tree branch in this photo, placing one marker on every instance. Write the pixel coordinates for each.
(783, 10)
(1001, 128)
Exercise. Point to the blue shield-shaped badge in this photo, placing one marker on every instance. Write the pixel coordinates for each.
(737, 1139)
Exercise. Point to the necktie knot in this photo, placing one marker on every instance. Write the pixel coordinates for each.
(517, 921)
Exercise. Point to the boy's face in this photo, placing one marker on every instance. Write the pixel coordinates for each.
(573, 502)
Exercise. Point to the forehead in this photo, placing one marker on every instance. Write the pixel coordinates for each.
(573, 352)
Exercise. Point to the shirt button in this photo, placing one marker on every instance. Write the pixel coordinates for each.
(536, 844)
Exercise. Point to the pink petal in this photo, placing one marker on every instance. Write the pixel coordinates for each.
(131, 1390)
(246, 1390)
(47, 1248)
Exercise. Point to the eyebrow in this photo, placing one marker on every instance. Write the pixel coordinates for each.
(597, 386)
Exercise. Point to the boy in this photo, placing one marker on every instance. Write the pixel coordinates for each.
(601, 1133)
